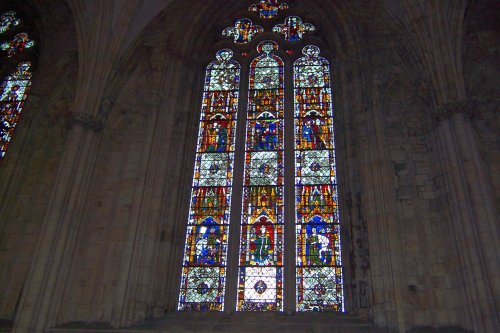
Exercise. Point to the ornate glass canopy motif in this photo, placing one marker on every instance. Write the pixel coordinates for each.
(293, 29)
(205, 251)
(20, 42)
(261, 244)
(319, 265)
(8, 20)
(243, 31)
(268, 9)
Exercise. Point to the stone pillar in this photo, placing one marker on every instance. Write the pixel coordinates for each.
(473, 222)
(46, 279)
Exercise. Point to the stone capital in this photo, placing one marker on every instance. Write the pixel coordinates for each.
(88, 121)
(446, 111)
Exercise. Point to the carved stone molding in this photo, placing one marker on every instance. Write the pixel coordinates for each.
(88, 121)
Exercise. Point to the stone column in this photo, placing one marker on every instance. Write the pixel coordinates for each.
(46, 281)
(473, 222)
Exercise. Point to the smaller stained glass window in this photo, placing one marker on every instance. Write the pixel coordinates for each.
(14, 90)
(243, 31)
(293, 29)
(268, 9)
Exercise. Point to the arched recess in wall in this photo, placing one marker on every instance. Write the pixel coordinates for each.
(187, 50)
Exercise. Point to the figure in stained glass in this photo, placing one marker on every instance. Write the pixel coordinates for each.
(293, 29)
(243, 31)
(317, 242)
(216, 137)
(261, 247)
(265, 135)
(312, 135)
(268, 9)
(208, 243)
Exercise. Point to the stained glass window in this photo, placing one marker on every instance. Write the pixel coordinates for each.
(268, 9)
(261, 245)
(260, 271)
(243, 31)
(293, 29)
(205, 252)
(14, 91)
(15, 87)
(318, 261)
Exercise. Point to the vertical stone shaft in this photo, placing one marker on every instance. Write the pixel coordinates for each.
(473, 221)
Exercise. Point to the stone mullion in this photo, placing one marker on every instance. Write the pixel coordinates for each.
(233, 255)
(290, 285)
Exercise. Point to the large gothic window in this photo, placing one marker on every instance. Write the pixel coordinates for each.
(14, 87)
(280, 174)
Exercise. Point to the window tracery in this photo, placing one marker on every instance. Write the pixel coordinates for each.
(243, 31)
(293, 29)
(268, 9)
